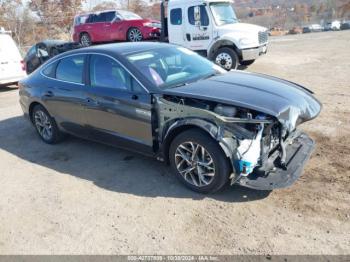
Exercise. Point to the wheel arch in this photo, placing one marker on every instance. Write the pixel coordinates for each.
(85, 32)
(180, 126)
(31, 108)
(220, 44)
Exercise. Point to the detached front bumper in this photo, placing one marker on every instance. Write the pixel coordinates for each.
(298, 153)
(253, 53)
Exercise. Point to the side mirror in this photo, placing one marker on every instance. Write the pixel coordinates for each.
(197, 16)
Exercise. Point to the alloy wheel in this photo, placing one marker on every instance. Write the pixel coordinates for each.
(85, 40)
(135, 35)
(43, 125)
(195, 164)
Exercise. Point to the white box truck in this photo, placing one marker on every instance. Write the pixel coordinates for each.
(211, 28)
(11, 64)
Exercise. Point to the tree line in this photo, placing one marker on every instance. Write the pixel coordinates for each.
(35, 20)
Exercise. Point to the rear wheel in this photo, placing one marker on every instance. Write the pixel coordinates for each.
(198, 161)
(227, 58)
(134, 35)
(45, 125)
(85, 40)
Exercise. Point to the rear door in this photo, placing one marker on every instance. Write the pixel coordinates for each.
(118, 109)
(64, 95)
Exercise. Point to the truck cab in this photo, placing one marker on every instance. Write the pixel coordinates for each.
(211, 28)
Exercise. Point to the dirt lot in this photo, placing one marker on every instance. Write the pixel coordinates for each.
(81, 197)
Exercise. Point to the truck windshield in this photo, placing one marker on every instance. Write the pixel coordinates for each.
(223, 13)
(173, 66)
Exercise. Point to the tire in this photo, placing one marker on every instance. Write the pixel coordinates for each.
(227, 58)
(85, 40)
(45, 125)
(134, 35)
(247, 63)
(213, 164)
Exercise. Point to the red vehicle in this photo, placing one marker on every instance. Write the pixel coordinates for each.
(113, 25)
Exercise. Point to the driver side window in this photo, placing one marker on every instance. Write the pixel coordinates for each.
(105, 72)
(204, 15)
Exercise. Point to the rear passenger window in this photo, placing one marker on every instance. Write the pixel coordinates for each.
(71, 69)
(50, 70)
(176, 16)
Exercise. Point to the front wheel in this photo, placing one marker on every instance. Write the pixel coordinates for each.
(134, 35)
(247, 63)
(199, 162)
(227, 58)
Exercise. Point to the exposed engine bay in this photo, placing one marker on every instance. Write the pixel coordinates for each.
(253, 141)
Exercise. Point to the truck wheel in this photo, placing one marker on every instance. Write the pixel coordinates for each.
(85, 40)
(247, 63)
(226, 58)
(134, 35)
(199, 162)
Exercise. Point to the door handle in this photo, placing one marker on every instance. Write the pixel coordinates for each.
(91, 101)
(188, 36)
(49, 94)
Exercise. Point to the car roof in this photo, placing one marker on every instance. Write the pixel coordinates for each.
(102, 11)
(122, 48)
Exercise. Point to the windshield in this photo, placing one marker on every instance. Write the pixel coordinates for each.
(223, 13)
(173, 66)
(129, 15)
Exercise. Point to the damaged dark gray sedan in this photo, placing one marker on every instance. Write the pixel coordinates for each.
(211, 126)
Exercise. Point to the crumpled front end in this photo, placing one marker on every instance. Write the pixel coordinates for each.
(264, 153)
(272, 175)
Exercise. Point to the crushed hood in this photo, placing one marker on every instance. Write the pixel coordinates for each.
(290, 103)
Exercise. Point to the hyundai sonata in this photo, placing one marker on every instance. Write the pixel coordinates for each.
(165, 101)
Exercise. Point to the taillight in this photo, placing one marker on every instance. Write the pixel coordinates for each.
(23, 65)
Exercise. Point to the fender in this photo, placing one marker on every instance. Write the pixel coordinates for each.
(221, 42)
(213, 130)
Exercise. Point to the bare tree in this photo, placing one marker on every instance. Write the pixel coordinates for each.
(56, 15)
(105, 5)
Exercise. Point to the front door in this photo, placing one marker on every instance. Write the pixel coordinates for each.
(198, 29)
(118, 110)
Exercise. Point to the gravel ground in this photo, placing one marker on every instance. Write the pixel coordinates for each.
(79, 197)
